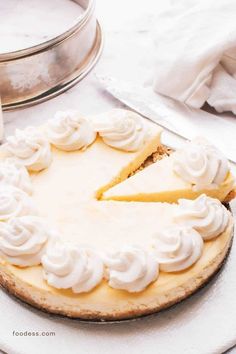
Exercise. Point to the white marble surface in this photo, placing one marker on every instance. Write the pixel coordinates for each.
(205, 324)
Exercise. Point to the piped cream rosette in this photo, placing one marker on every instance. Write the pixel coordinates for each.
(201, 164)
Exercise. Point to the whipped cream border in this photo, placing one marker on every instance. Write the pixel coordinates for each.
(131, 269)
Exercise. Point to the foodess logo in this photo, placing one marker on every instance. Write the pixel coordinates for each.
(33, 334)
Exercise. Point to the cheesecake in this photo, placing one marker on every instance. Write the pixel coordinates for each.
(66, 250)
(198, 168)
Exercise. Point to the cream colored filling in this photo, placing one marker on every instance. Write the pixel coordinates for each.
(89, 172)
(64, 194)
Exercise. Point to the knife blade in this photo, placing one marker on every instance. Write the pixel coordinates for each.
(176, 117)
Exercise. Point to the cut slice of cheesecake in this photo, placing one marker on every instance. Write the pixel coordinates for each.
(159, 182)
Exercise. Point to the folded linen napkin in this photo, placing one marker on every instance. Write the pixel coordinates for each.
(195, 46)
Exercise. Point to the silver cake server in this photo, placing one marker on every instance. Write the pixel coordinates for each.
(176, 117)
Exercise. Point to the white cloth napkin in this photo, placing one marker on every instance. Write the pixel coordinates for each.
(195, 53)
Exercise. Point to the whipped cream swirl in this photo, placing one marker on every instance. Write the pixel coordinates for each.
(22, 240)
(14, 202)
(177, 248)
(206, 215)
(201, 164)
(68, 131)
(30, 148)
(15, 174)
(131, 269)
(67, 266)
(122, 129)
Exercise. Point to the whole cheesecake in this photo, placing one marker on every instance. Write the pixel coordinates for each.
(72, 243)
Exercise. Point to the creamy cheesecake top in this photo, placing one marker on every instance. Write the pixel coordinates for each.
(53, 179)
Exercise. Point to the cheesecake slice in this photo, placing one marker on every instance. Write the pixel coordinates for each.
(198, 168)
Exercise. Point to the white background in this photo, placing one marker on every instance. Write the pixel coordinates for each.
(204, 324)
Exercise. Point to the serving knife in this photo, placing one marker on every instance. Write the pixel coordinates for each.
(176, 117)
